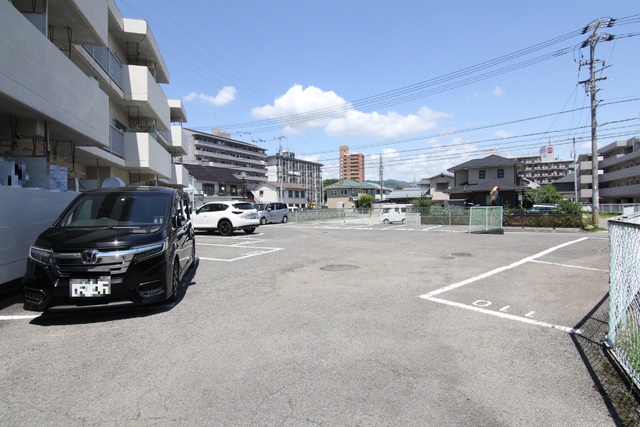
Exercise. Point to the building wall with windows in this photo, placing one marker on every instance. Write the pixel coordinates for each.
(543, 170)
(351, 165)
(286, 168)
(620, 165)
(346, 192)
(245, 161)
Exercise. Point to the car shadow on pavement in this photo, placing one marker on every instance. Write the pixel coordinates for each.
(99, 315)
(618, 394)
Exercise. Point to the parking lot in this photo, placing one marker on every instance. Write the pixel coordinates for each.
(329, 324)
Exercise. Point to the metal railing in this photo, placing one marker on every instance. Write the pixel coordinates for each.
(623, 338)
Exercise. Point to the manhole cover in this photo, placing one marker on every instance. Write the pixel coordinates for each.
(339, 267)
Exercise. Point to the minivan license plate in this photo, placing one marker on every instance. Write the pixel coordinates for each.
(94, 287)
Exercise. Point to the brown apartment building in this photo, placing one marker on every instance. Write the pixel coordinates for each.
(351, 164)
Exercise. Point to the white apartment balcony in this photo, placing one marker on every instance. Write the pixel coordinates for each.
(136, 34)
(86, 21)
(626, 173)
(39, 84)
(179, 141)
(622, 191)
(618, 159)
(584, 180)
(180, 176)
(144, 153)
(142, 91)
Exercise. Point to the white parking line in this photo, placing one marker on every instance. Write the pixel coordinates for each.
(499, 269)
(431, 296)
(570, 266)
(20, 317)
(507, 316)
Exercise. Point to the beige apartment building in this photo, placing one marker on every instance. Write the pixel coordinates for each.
(351, 165)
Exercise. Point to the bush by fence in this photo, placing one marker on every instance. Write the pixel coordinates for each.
(545, 220)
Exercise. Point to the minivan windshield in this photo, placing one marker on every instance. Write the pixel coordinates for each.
(117, 209)
(261, 206)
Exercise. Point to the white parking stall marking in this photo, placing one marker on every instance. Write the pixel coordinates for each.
(251, 251)
(499, 269)
(506, 316)
(20, 317)
(570, 266)
(480, 305)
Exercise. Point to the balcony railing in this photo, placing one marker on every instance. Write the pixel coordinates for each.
(116, 141)
(108, 62)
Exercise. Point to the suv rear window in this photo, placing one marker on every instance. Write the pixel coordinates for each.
(243, 206)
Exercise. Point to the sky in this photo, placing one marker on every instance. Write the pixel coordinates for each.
(417, 86)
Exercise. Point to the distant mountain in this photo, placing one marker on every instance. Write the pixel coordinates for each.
(392, 183)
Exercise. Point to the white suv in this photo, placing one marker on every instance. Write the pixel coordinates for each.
(225, 217)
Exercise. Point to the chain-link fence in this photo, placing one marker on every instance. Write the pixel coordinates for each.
(623, 338)
(485, 219)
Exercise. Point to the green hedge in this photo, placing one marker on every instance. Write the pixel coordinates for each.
(546, 220)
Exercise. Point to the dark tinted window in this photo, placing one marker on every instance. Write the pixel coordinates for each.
(244, 206)
(118, 209)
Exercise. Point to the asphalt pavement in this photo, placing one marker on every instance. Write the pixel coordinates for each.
(332, 323)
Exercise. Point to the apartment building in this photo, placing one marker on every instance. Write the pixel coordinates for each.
(285, 168)
(81, 105)
(247, 162)
(351, 165)
(544, 168)
(82, 100)
(583, 178)
(620, 178)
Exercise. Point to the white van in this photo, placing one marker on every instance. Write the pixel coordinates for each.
(393, 213)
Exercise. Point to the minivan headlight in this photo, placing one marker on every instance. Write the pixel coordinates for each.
(39, 255)
(148, 251)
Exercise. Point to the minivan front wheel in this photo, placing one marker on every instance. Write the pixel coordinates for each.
(175, 281)
(225, 228)
(285, 219)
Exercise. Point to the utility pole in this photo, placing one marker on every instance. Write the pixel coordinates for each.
(280, 167)
(592, 90)
(381, 180)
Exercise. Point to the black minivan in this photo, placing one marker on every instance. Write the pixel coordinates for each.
(112, 247)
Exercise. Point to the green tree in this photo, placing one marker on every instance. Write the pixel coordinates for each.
(365, 201)
(421, 202)
(328, 182)
(545, 194)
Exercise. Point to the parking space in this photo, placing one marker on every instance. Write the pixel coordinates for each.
(383, 324)
(231, 248)
(552, 288)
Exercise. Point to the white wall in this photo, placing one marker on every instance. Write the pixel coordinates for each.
(25, 213)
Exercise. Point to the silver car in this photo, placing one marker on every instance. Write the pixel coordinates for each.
(272, 212)
(226, 217)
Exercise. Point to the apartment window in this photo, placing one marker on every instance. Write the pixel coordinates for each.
(482, 174)
(500, 173)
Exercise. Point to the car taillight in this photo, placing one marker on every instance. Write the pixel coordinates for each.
(237, 212)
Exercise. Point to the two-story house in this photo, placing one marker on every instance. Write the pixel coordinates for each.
(474, 180)
(345, 193)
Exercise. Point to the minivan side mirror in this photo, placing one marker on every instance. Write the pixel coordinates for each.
(178, 220)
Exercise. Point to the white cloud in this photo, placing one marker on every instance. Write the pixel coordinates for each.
(384, 126)
(498, 91)
(340, 119)
(226, 95)
(408, 167)
(502, 134)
